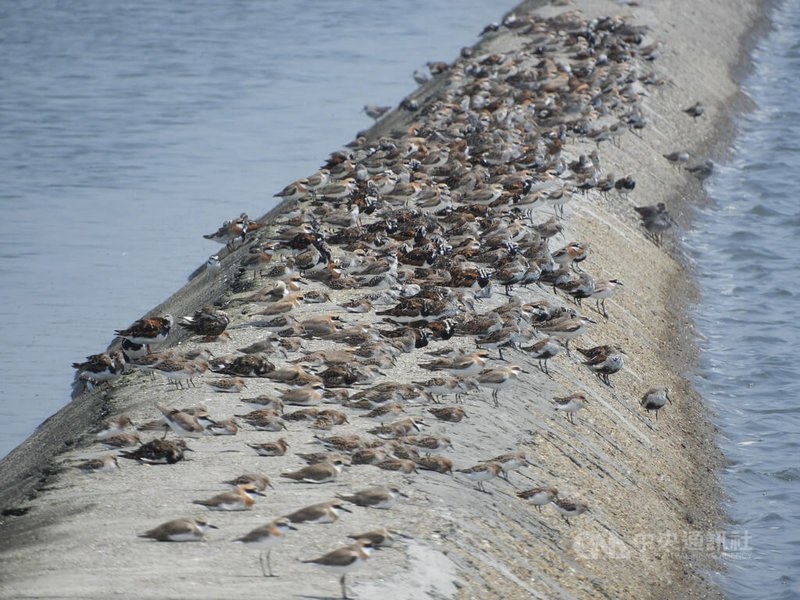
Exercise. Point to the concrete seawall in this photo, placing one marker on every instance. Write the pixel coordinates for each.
(650, 485)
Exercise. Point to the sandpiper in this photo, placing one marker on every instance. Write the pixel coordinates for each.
(570, 404)
(539, 496)
(603, 290)
(158, 452)
(654, 399)
(482, 472)
(543, 351)
(569, 508)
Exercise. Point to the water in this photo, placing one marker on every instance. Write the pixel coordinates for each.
(746, 249)
(131, 128)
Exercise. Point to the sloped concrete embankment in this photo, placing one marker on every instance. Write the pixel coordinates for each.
(649, 485)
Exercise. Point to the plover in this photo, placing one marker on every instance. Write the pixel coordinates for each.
(321, 513)
(180, 530)
(239, 499)
(654, 399)
(344, 560)
(267, 536)
(374, 497)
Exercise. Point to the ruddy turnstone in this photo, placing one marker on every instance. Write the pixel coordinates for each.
(482, 472)
(539, 496)
(344, 560)
(180, 530)
(100, 367)
(570, 404)
(151, 330)
(239, 499)
(207, 322)
(267, 536)
(375, 497)
(569, 508)
(323, 472)
(654, 399)
(158, 452)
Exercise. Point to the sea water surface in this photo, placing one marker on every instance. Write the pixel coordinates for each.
(129, 129)
(746, 247)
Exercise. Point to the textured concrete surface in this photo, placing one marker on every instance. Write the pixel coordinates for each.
(650, 485)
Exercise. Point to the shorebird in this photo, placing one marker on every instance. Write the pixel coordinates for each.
(696, 110)
(603, 290)
(323, 472)
(152, 330)
(180, 530)
(498, 378)
(374, 497)
(182, 423)
(510, 462)
(321, 513)
(105, 464)
(261, 482)
(270, 448)
(543, 351)
(267, 536)
(344, 560)
(380, 538)
(570, 404)
(565, 328)
(569, 508)
(539, 496)
(604, 361)
(482, 472)
(654, 399)
(158, 452)
(239, 499)
(207, 322)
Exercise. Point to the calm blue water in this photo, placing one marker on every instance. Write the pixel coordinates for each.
(129, 129)
(746, 248)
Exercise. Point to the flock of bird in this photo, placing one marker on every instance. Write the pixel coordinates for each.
(401, 246)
